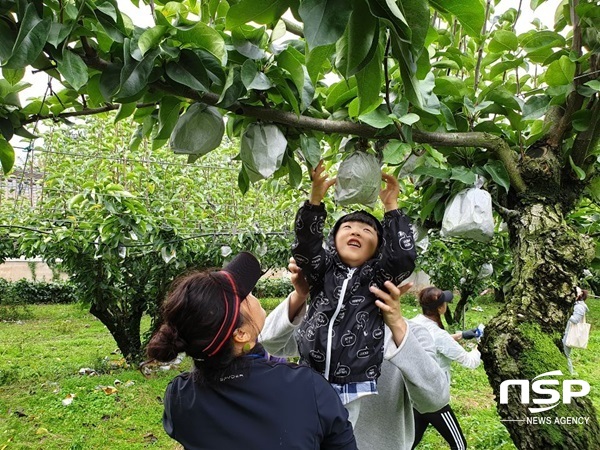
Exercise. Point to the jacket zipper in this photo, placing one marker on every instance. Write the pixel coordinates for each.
(330, 327)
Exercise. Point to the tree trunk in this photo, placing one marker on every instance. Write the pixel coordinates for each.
(124, 328)
(524, 340)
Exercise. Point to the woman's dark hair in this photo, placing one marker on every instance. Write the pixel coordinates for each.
(429, 301)
(192, 316)
(584, 295)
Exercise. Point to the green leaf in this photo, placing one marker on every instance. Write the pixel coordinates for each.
(324, 20)
(434, 172)
(168, 114)
(295, 172)
(578, 170)
(594, 190)
(448, 86)
(151, 38)
(470, 13)
(292, 61)
(535, 107)
(594, 84)
(388, 11)
(503, 67)
(503, 41)
(560, 72)
(368, 82)
(317, 60)
(403, 52)
(429, 200)
(377, 118)
(395, 152)
(248, 72)
(362, 40)
(259, 11)
(189, 71)
(134, 75)
(7, 156)
(540, 42)
(311, 150)
(33, 34)
(409, 119)
(243, 181)
(582, 120)
(205, 37)
(125, 110)
(73, 69)
(498, 173)
(340, 93)
(233, 89)
(463, 175)
(13, 76)
(8, 40)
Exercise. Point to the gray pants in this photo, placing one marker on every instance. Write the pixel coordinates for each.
(567, 351)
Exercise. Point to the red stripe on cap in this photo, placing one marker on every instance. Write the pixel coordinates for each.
(229, 320)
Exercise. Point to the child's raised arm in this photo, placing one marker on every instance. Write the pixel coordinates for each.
(389, 195)
(320, 184)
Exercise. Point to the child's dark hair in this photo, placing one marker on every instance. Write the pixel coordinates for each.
(192, 315)
(362, 217)
(429, 301)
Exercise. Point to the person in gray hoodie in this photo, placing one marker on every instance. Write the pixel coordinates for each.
(410, 376)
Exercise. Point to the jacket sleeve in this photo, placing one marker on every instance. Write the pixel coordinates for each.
(447, 346)
(333, 416)
(425, 381)
(578, 313)
(398, 250)
(277, 335)
(307, 248)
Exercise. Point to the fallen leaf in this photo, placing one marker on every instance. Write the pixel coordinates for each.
(109, 390)
(42, 431)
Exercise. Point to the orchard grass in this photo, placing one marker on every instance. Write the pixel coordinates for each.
(118, 408)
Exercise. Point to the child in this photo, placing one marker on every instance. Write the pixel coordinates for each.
(341, 335)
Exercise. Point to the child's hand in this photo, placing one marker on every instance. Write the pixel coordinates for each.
(389, 195)
(320, 184)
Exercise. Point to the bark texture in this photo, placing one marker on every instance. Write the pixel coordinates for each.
(524, 340)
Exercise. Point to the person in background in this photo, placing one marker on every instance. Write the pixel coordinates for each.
(342, 334)
(579, 311)
(434, 303)
(236, 397)
(410, 376)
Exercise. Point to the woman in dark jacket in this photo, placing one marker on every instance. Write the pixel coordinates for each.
(236, 396)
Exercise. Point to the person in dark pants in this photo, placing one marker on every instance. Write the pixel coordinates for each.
(236, 396)
(434, 303)
(445, 422)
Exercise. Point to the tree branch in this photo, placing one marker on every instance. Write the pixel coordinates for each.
(470, 139)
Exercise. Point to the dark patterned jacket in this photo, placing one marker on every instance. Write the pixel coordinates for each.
(341, 335)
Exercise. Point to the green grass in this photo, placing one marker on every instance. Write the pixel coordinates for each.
(471, 396)
(40, 359)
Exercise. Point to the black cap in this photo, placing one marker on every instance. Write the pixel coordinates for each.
(245, 270)
(445, 297)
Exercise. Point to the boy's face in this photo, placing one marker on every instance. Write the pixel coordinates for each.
(356, 243)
